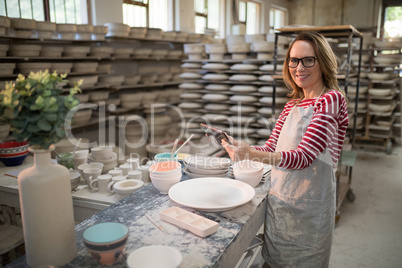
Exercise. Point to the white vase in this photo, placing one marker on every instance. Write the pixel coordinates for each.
(47, 211)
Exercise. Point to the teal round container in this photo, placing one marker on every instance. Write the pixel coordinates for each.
(166, 157)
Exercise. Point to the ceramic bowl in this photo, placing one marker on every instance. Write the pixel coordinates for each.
(126, 187)
(105, 241)
(84, 166)
(13, 153)
(248, 171)
(163, 184)
(166, 157)
(144, 257)
(165, 167)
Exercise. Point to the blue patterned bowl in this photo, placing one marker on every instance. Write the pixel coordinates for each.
(13, 153)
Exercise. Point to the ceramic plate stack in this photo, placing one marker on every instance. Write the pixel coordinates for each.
(132, 79)
(99, 32)
(98, 96)
(27, 67)
(123, 53)
(25, 50)
(76, 51)
(138, 32)
(7, 68)
(5, 23)
(154, 33)
(108, 158)
(201, 166)
(194, 51)
(131, 100)
(117, 29)
(142, 52)
(3, 50)
(23, 27)
(84, 32)
(216, 51)
(87, 81)
(66, 31)
(52, 51)
(102, 51)
(85, 67)
(45, 29)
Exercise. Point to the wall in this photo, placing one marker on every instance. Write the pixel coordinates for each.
(359, 13)
(106, 11)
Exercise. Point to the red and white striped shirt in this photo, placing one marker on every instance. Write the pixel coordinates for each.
(327, 129)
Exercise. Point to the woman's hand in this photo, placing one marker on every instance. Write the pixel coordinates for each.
(238, 150)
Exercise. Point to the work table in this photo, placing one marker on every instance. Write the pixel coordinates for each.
(237, 227)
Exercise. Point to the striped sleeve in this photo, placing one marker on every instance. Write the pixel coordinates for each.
(327, 129)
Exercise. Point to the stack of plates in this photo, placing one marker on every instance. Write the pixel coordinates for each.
(265, 175)
(201, 166)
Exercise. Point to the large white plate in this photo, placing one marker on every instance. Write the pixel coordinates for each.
(211, 194)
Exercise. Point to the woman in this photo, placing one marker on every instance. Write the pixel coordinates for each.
(304, 149)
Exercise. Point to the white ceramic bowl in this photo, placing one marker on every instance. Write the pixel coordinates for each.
(163, 185)
(155, 256)
(248, 171)
(128, 186)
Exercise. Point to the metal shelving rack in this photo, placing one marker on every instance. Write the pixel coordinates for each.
(343, 181)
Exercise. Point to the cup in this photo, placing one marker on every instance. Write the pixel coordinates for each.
(134, 175)
(166, 157)
(126, 167)
(82, 167)
(133, 162)
(102, 152)
(91, 174)
(115, 172)
(145, 173)
(65, 159)
(101, 183)
(114, 180)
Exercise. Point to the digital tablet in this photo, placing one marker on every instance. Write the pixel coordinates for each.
(216, 133)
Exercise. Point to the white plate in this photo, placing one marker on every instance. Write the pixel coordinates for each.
(217, 77)
(217, 87)
(196, 176)
(215, 66)
(243, 77)
(189, 65)
(212, 194)
(215, 97)
(208, 162)
(189, 95)
(243, 109)
(216, 107)
(190, 86)
(243, 98)
(210, 172)
(244, 67)
(190, 76)
(265, 78)
(243, 88)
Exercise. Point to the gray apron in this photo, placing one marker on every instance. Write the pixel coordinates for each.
(301, 204)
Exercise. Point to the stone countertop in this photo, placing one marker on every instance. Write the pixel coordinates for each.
(224, 248)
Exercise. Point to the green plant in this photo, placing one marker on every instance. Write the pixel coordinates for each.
(36, 108)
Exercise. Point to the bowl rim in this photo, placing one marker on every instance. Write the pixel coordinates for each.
(97, 228)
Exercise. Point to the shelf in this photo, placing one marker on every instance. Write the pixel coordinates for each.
(328, 31)
(172, 83)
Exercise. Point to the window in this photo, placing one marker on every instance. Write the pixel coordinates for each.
(148, 13)
(393, 22)
(277, 18)
(207, 15)
(249, 15)
(59, 11)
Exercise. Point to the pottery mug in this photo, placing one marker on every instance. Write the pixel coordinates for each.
(114, 180)
(101, 183)
(91, 174)
(115, 172)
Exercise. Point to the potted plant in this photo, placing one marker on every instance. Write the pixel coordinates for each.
(36, 108)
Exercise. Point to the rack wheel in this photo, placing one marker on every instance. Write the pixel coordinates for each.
(389, 147)
(350, 195)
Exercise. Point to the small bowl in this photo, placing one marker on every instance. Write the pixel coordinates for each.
(163, 184)
(105, 241)
(165, 167)
(13, 153)
(165, 157)
(126, 187)
(248, 171)
(167, 257)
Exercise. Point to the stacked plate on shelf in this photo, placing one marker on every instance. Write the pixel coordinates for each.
(200, 166)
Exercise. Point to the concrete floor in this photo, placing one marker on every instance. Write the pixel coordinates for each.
(369, 231)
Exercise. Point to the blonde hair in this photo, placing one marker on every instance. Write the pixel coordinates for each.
(326, 58)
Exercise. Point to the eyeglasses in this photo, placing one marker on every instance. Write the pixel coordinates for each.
(307, 62)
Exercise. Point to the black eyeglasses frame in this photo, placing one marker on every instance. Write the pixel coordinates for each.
(301, 60)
